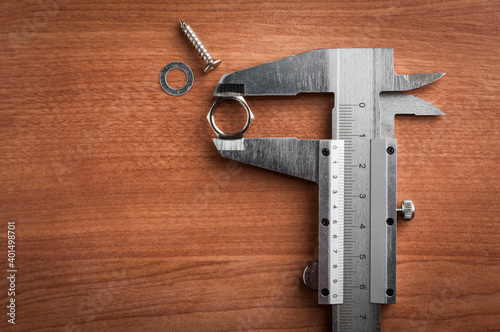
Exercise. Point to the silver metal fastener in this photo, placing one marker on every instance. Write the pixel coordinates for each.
(407, 210)
(200, 48)
(189, 78)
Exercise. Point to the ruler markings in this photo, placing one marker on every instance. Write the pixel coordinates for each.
(337, 227)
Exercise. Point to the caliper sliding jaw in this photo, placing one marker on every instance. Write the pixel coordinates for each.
(355, 170)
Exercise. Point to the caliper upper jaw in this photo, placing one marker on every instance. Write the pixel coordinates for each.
(390, 81)
(313, 71)
(305, 72)
(410, 82)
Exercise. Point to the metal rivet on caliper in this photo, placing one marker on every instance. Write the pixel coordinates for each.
(200, 48)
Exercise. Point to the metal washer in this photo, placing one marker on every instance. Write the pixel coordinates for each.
(189, 78)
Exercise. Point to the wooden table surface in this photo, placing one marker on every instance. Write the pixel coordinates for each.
(127, 218)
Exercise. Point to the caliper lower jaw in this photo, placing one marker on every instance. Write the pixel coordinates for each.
(284, 155)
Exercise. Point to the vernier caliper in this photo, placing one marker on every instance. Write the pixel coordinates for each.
(355, 170)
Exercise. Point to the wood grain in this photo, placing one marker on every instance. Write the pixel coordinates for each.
(128, 219)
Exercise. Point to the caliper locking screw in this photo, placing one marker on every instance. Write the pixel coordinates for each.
(407, 210)
(200, 48)
(390, 150)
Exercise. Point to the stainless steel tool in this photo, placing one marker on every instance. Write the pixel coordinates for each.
(355, 170)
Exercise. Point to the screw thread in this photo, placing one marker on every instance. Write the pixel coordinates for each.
(197, 44)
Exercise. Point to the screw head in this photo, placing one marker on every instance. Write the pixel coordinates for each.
(390, 150)
(325, 292)
(325, 222)
(325, 152)
(212, 66)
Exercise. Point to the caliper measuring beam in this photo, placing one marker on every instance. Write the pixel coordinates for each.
(355, 170)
